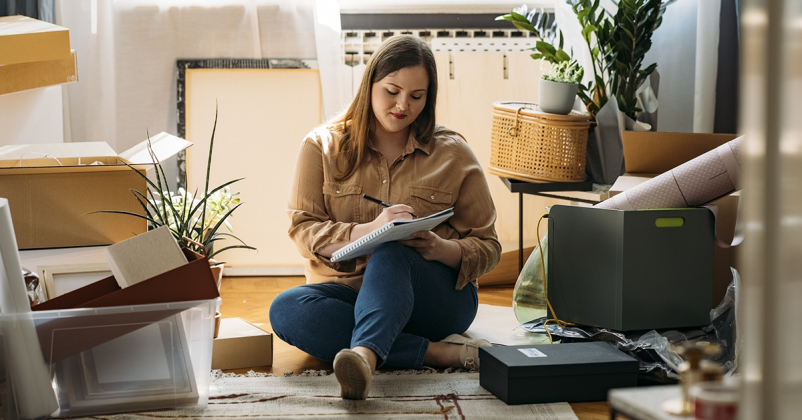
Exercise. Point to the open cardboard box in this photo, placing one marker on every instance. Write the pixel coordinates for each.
(53, 190)
(35, 54)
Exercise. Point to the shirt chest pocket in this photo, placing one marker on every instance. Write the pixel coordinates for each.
(429, 200)
(343, 201)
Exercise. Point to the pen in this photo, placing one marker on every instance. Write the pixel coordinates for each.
(379, 202)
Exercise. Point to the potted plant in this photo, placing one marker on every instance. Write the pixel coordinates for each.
(196, 221)
(617, 44)
(558, 87)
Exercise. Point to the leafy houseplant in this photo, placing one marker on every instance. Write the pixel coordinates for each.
(617, 44)
(197, 218)
(558, 87)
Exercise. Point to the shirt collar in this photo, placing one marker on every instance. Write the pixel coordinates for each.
(412, 144)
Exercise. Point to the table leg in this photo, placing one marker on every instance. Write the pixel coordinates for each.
(520, 232)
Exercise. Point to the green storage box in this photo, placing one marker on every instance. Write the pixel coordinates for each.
(631, 270)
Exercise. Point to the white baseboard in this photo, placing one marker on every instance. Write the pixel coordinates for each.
(267, 270)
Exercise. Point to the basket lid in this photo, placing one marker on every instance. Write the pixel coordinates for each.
(533, 109)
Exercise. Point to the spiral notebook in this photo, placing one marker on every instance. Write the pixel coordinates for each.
(392, 231)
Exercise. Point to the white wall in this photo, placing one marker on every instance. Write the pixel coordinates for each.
(32, 116)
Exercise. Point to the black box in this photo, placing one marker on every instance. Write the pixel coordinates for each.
(631, 270)
(570, 372)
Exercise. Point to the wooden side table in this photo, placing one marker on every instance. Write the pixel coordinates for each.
(582, 192)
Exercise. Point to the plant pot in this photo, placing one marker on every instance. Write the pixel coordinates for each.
(556, 97)
(217, 273)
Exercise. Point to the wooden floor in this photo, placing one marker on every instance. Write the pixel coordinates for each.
(249, 298)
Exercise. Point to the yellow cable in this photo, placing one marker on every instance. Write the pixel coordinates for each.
(545, 293)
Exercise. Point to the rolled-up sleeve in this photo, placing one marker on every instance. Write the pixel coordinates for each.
(310, 226)
(474, 221)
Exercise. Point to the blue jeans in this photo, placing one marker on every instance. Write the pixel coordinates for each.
(405, 301)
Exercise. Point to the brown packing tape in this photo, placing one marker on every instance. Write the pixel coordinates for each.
(63, 337)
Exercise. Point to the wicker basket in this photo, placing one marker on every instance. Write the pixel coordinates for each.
(528, 144)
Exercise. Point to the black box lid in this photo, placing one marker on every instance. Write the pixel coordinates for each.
(596, 357)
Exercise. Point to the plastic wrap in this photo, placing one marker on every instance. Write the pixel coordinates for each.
(658, 363)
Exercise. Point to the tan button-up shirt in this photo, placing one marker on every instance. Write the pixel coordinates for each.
(428, 177)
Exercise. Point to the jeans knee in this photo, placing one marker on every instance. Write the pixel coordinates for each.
(281, 311)
(393, 251)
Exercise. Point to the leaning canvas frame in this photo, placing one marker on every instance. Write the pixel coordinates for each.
(221, 63)
(265, 107)
(53, 274)
(149, 368)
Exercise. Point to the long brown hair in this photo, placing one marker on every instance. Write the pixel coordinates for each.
(357, 121)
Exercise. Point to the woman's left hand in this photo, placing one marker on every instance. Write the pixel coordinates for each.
(426, 243)
(434, 248)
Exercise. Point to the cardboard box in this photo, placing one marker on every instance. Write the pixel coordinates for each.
(34, 54)
(650, 152)
(24, 76)
(27, 40)
(241, 344)
(723, 258)
(631, 270)
(53, 190)
(548, 373)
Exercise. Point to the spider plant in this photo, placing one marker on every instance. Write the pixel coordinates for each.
(198, 218)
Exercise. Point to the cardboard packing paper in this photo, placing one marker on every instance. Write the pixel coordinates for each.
(694, 183)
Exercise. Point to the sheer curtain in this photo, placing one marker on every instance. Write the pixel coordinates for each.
(127, 51)
(771, 85)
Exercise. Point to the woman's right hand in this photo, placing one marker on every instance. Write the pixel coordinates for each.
(388, 214)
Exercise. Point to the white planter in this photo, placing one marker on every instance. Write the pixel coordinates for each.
(556, 97)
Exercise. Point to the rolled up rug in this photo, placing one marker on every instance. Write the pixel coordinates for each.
(694, 183)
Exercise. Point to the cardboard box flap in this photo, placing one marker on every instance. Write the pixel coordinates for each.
(17, 152)
(164, 147)
(24, 40)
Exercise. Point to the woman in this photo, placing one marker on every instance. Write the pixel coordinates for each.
(406, 303)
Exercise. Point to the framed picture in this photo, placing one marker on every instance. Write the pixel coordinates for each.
(149, 368)
(64, 278)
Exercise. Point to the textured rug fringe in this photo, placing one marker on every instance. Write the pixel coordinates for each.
(312, 372)
(217, 373)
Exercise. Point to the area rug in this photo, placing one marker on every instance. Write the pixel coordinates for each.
(433, 395)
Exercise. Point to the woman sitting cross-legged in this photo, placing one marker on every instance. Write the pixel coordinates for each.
(406, 304)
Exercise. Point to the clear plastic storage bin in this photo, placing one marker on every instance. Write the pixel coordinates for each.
(106, 360)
